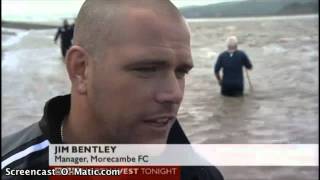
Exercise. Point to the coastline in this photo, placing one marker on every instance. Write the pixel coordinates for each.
(27, 25)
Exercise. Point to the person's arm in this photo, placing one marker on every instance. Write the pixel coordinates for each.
(217, 68)
(247, 63)
(218, 77)
(57, 35)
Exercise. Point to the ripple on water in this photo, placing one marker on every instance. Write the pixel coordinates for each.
(273, 49)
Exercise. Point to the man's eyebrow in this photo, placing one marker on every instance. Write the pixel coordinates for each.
(148, 62)
(158, 62)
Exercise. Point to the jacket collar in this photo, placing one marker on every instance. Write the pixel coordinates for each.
(58, 107)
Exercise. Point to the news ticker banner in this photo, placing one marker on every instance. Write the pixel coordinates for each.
(183, 155)
(100, 172)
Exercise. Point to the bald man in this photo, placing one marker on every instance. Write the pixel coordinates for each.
(127, 66)
(232, 62)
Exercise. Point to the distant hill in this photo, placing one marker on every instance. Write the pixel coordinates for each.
(300, 8)
(252, 8)
(26, 25)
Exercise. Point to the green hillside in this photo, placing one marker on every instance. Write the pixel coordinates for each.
(252, 8)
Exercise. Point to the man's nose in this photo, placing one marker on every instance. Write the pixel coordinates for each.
(170, 91)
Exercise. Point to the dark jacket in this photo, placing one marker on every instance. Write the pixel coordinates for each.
(232, 64)
(66, 35)
(28, 149)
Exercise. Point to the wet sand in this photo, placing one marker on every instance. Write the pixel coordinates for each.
(282, 107)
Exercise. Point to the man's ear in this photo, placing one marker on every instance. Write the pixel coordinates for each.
(77, 61)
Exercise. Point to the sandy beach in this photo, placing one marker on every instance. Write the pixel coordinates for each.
(282, 106)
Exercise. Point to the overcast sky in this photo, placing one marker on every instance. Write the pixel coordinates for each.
(181, 3)
(33, 9)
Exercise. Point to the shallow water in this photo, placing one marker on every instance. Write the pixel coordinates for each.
(282, 107)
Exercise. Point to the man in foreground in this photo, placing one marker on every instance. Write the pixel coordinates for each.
(232, 61)
(127, 67)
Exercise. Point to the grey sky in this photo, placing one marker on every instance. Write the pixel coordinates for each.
(41, 10)
(181, 3)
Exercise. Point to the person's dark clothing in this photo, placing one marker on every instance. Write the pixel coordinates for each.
(232, 63)
(66, 34)
(38, 136)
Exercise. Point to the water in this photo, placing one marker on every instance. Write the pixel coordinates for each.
(281, 108)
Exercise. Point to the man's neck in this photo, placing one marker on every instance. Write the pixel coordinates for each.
(231, 50)
(79, 127)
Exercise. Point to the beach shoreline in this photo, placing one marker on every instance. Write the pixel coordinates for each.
(27, 25)
(49, 25)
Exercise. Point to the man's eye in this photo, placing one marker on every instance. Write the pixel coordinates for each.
(181, 73)
(145, 69)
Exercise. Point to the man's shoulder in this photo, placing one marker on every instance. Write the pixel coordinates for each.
(19, 138)
(223, 54)
(177, 136)
(242, 52)
(21, 144)
(200, 172)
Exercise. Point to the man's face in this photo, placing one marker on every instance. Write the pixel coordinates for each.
(136, 89)
(232, 46)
